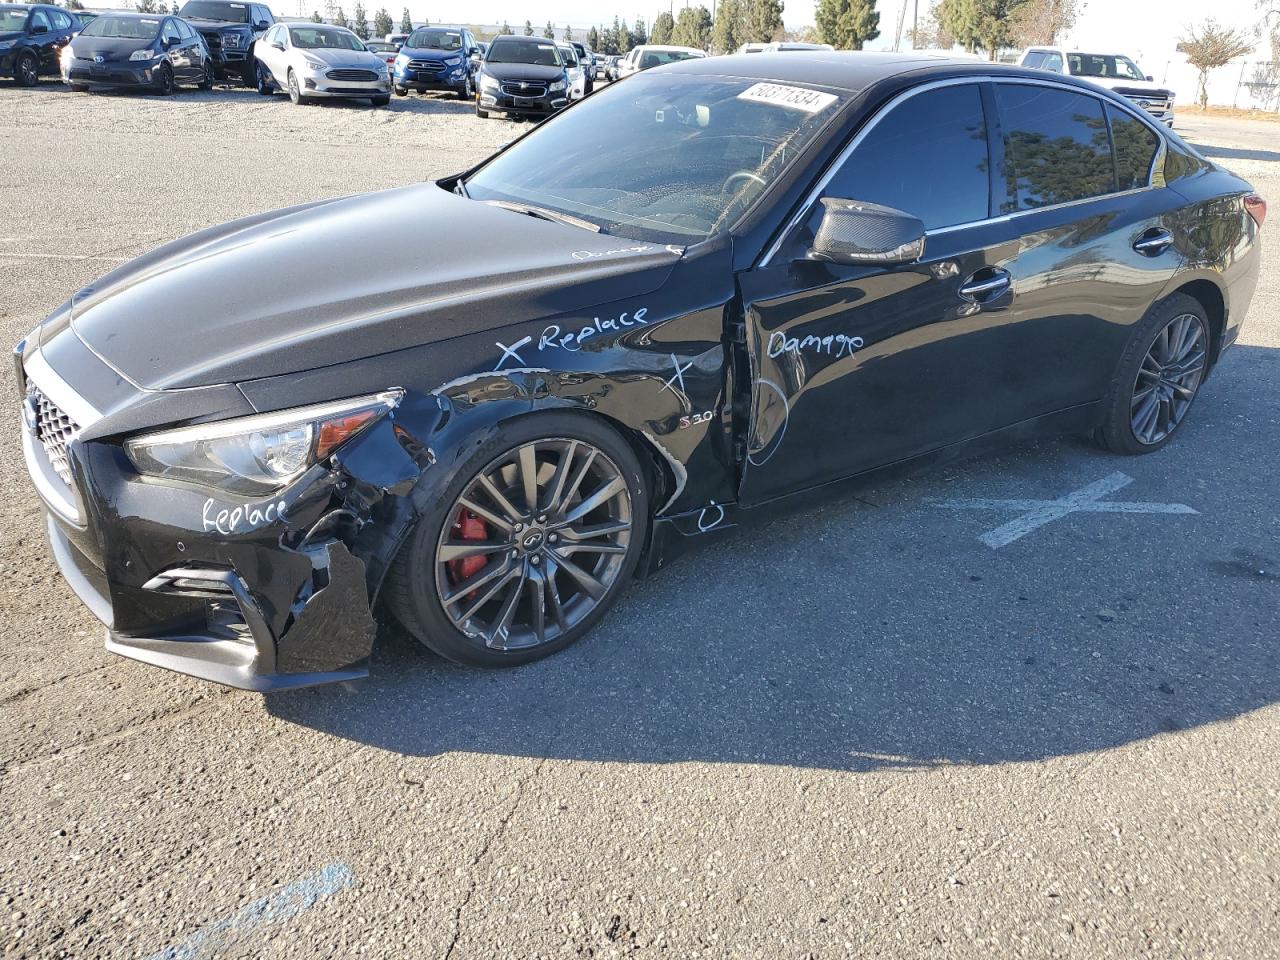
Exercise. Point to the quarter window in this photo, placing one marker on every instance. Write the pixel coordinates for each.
(927, 157)
(1056, 147)
(1136, 145)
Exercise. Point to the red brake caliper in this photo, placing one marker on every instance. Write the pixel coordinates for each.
(467, 527)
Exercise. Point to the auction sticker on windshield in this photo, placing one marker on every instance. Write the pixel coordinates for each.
(796, 98)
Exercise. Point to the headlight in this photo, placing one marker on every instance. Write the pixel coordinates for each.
(256, 454)
(401, 59)
(231, 40)
(313, 64)
(489, 83)
(558, 86)
(453, 61)
(143, 55)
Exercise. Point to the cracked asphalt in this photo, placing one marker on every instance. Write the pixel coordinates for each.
(851, 730)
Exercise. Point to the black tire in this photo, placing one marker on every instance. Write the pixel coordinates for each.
(165, 84)
(402, 91)
(295, 92)
(1125, 408)
(264, 84)
(482, 114)
(381, 101)
(78, 87)
(206, 79)
(412, 586)
(466, 93)
(26, 70)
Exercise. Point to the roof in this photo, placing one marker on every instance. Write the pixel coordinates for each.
(850, 70)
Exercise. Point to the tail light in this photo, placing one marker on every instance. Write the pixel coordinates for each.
(1256, 207)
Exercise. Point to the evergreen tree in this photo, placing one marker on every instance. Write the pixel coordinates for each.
(639, 35)
(693, 27)
(360, 23)
(764, 20)
(340, 18)
(406, 23)
(727, 31)
(506, 28)
(986, 25)
(623, 35)
(593, 38)
(528, 29)
(315, 17)
(847, 24)
(382, 24)
(663, 26)
(549, 31)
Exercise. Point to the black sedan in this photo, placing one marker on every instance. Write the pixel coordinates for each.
(724, 282)
(523, 77)
(31, 40)
(155, 53)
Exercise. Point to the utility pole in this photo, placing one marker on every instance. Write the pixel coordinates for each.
(915, 23)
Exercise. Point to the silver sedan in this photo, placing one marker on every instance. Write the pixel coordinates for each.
(313, 60)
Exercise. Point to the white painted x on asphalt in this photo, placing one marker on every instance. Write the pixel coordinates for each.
(1036, 513)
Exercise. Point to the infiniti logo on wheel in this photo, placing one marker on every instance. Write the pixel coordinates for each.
(533, 540)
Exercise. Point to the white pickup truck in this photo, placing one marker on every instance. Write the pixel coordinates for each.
(1111, 70)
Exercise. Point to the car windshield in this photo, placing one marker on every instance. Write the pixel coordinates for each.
(542, 53)
(1104, 65)
(662, 158)
(12, 18)
(228, 12)
(122, 28)
(324, 38)
(656, 58)
(435, 40)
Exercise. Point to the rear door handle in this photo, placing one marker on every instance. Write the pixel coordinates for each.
(985, 285)
(1153, 242)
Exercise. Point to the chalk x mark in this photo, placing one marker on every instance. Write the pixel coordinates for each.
(511, 351)
(678, 378)
(298, 896)
(1037, 513)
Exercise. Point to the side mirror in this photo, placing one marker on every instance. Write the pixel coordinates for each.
(262, 25)
(853, 232)
(475, 57)
(278, 45)
(1150, 78)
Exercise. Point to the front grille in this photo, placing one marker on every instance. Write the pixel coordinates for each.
(435, 66)
(54, 429)
(352, 76)
(524, 89)
(1150, 104)
(212, 38)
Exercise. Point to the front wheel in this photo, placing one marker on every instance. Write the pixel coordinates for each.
(206, 78)
(402, 91)
(165, 84)
(466, 93)
(1158, 377)
(26, 71)
(78, 87)
(295, 92)
(482, 114)
(528, 544)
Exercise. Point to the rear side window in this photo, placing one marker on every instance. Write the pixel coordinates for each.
(926, 157)
(1136, 145)
(1056, 147)
(171, 32)
(60, 20)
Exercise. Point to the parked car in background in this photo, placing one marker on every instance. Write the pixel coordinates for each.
(611, 67)
(397, 38)
(32, 37)
(523, 77)
(137, 50)
(751, 48)
(587, 61)
(319, 60)
(230, 30)
(574, 71)
(788, 46)
(387, 51)
(650, 55)
(1113, 71)
(635, 340)
(84, 16)
(437, 58)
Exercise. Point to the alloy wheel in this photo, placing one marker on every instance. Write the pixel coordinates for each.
(1168, 378)
(28, 72)
(534, 543)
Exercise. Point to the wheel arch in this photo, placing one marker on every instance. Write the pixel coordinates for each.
(1211, 297)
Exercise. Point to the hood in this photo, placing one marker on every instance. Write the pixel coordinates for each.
(109, 48)
(345, 58)
(1131, 87)
(522, 71)
(312, 286)
(11, 35)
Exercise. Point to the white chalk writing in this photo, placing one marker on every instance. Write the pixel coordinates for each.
(837, 344)
(246, 516)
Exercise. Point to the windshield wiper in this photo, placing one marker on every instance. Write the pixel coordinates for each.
(542, 213)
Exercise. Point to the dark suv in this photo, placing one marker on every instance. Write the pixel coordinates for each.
(523, 77)
(230, 30)
(31, 39)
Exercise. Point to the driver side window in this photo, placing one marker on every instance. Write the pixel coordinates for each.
(927, 157)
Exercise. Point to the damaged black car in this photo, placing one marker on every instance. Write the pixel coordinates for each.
(724, 282)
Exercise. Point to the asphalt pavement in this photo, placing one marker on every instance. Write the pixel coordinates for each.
(887, 724)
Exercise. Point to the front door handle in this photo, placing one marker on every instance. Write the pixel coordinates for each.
(986, 285)
(1153, 242)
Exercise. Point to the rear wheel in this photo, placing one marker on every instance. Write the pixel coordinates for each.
(528, 545)
(1158, 378)
(26, 70)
